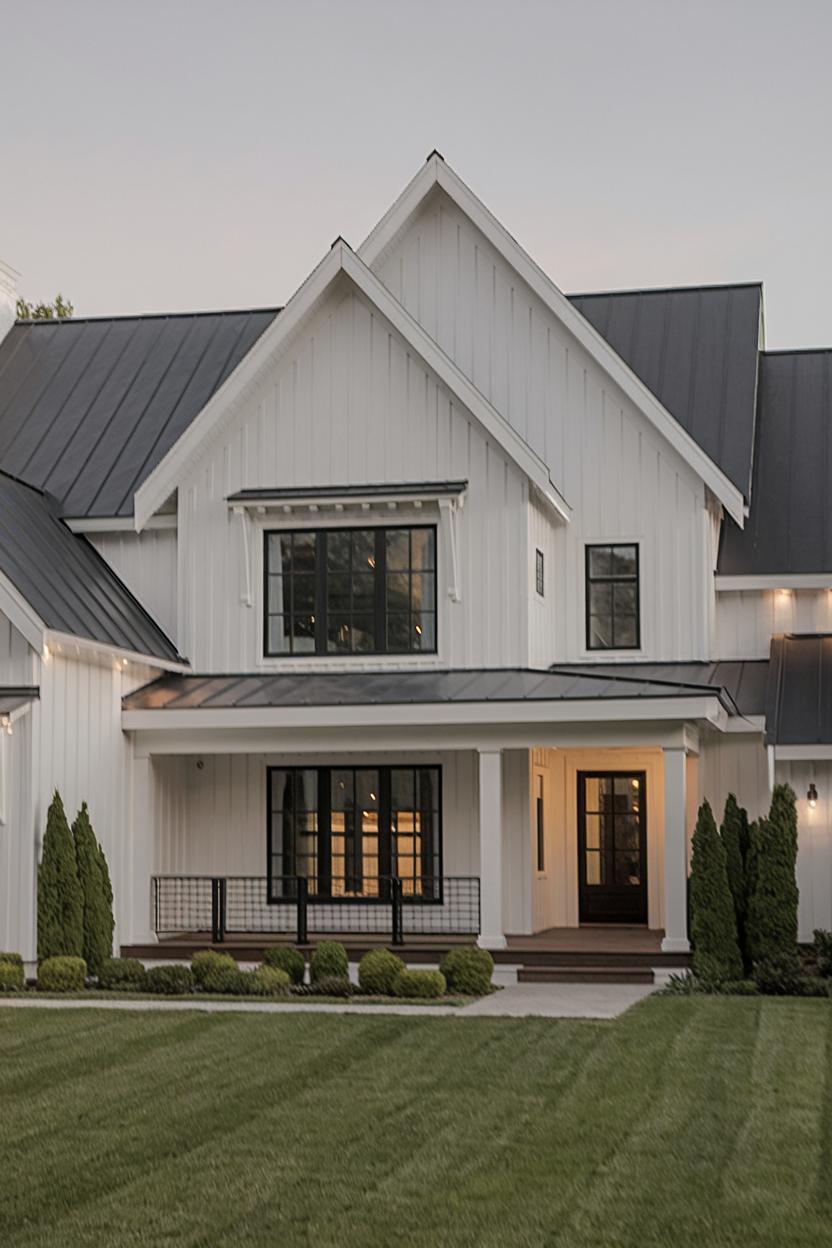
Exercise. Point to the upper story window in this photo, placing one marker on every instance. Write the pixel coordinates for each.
(350, 591)
(539, 573)
(612, 598)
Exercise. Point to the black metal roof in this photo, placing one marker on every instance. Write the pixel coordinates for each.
(743, 681)
(89, 407)
(696, 349)
(397, 688)
(789, 529)
(64, 579)
(799, 698)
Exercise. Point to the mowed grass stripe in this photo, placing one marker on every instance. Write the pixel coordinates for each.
(777, 1166)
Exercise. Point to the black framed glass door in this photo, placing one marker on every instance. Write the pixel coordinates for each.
(612, 846)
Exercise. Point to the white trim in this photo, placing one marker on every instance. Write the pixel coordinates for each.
(749, 724)
(24, 618)
(119, 524)
(797, 580)
(532, 712)
(436, 172)
(300, 502)
(219, 409)
(65, 643)
(802, 753)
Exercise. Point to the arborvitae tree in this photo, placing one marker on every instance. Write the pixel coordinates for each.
(772, 907)
(716, 954)
(98, 936)
(60, 901)
(108, 892)
(735, 838)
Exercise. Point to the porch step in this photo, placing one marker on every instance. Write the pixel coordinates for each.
(585, 975)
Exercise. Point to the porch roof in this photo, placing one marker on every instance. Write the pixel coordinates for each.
(247, 691)
(742, 681)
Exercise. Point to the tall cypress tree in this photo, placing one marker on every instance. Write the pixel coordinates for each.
(716, 954)
(735, 838)
(98, 937)
(60, 901)
(108, 891)
(772, 908)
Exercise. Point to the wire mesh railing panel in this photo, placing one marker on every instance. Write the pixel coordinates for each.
(446, 905)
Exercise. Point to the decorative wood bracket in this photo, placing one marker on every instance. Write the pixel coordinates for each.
(246, 596)
(449, 509)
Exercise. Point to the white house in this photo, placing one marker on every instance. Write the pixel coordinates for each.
(436, 597)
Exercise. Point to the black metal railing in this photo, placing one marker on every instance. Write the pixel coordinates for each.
(238, 904)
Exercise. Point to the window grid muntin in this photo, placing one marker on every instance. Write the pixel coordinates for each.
(539, 573)
(422, 620)
(610, 586)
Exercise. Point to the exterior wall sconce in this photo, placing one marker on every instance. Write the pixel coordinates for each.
(812, 796)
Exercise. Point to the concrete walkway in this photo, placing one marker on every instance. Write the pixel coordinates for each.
(517, 1001)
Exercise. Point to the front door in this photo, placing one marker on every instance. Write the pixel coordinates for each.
(612, 846)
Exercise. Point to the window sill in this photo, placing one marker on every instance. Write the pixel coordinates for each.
(613, 656)
(353, 663)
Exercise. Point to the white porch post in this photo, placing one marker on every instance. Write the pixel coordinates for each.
(675, 854)
(140, 931)
(491, 849)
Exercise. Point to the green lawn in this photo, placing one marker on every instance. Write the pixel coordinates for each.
(702, 1121)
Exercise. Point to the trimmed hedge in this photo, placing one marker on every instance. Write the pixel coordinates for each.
(378, 971)
(329, 960)
(122, 975)
(468, 970)
(772, 909)
(97, 915)
(270, 981)
(171, 980)
(60, 900)
(62, 974)
(11, 975)
(12, 957)
(716, 954)
(216, 972)
(736, 838)
(284, 958)
(420, 984)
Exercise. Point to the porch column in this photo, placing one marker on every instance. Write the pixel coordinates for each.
(137, 906)
(675, 854)
(491, 849)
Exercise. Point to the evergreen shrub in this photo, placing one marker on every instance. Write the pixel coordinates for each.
(427, 984)
(11, 975)
(62, 974)
(468, 970)
(171, 979)
(716, 954)
(378, 971)
(772, 908)
(97, 943)
(284, 958)
(122, 975)
(270, 981)
(329, 958)
(60, 899)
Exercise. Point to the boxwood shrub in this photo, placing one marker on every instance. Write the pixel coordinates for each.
(215, 972)
(172, 979)
(420, 984)
(468, 969)
(378, 971)
(269, 981)
(329, 959)
(284, 958)
(62, 974)
(12, 957)
(122, 975)
(11, 975)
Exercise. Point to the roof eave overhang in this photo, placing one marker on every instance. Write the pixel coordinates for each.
(156, 489)
(773, 580)
(436, 172)
(69, 645)
(530, 712)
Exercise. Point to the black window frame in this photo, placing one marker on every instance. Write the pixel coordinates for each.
(612, 580)
(540, 821)
(539, 573)
(278, 889)
(380, 614)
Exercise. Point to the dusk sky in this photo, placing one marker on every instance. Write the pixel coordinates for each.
(193, 155)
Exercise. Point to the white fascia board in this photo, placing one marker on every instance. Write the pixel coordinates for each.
(23, 616)
(802, 753)
(797, 580)
(437, 172)
(749, 724)
(67, 645)
(444, 714)
(119, 524)
(220, 408)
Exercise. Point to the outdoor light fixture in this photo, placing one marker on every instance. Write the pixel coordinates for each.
(812, 796)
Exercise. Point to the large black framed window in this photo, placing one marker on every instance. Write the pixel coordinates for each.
(349, 830)
(350, 591)
(612, 597)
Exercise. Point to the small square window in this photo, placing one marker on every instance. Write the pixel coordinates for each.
(539, 576)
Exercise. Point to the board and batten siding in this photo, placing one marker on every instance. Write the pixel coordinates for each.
(748, 619)
(623, 481)
(18, 662)
(147, 564)
(349, 403)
